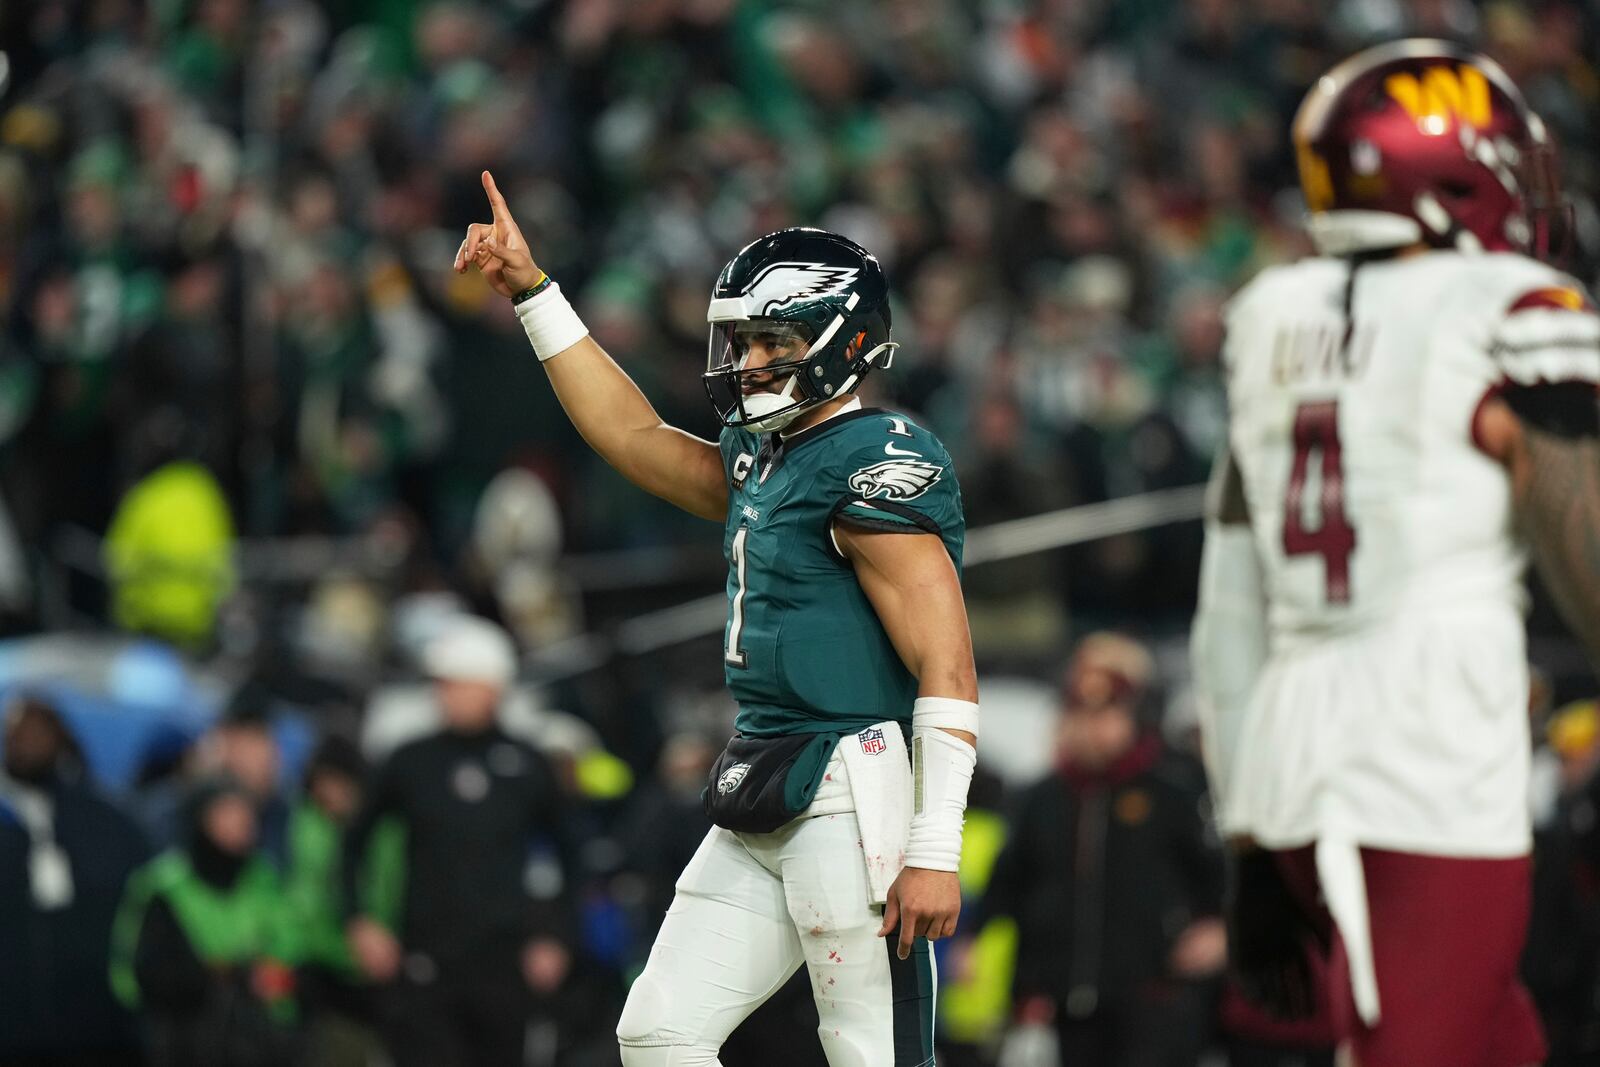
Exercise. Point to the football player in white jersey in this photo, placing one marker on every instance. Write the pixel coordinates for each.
(1411, 411)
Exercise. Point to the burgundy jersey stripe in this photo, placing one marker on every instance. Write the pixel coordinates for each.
(1558, 298)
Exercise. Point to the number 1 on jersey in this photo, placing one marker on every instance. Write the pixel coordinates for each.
(1316, 427)
(732, 652)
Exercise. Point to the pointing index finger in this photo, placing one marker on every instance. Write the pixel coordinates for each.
(497, 203)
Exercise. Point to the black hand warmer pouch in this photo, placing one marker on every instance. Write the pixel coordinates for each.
(760, 783)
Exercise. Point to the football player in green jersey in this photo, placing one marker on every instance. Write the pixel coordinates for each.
(838, 804)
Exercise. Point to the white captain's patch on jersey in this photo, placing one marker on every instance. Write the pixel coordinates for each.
(896, 479)
(743, 464)
(785, 284)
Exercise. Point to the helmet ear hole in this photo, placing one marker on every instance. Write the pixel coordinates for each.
(854, 348)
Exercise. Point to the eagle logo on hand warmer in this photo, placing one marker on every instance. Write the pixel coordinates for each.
(732, 778)
(896, 479)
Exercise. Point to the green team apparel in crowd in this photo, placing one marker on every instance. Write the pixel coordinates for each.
(247, 922)
(804, 651)
(312, 884)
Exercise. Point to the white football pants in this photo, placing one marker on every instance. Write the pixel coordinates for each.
(749, 909)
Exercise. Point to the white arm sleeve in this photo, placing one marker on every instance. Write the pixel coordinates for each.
(1227, 647)
(941, 770)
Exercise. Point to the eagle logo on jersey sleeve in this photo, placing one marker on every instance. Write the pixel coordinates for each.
(896, 479)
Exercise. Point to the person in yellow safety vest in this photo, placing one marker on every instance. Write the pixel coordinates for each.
(203, 945)
(169, 554)
(975, 986)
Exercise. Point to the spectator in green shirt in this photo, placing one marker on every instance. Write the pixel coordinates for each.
(336, 996)
(204, 943)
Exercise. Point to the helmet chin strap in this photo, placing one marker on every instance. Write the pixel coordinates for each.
(755, 405)
(773, 411)
(882, 356)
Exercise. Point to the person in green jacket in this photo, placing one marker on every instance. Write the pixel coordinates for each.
(316, 831)
(336, 996)
(204, 944)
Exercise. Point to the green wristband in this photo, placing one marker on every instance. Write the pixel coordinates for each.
(532, 291)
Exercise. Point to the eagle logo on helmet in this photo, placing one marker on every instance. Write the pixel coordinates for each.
(783, 285)
(897, 479)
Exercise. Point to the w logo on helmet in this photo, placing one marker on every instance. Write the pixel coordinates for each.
(1441, 92)
(783, 285)
(898, 479)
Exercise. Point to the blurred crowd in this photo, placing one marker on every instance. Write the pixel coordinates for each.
(472, 880)
(260, 450)
(225, 231)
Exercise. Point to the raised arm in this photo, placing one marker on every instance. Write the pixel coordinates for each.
(598, 396)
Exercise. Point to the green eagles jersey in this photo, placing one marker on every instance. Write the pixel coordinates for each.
(803, 649)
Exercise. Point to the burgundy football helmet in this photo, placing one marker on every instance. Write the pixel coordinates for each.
(1424, 140)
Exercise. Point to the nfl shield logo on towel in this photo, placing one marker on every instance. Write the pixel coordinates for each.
(872, 741)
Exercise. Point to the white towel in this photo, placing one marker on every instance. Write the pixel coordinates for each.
(1344, 887)
(880, 781)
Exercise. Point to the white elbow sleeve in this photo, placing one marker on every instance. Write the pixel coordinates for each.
(941, 772)
(550, 323)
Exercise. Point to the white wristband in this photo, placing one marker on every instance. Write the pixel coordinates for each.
(551, 324)
(947, 713)
(941, 771)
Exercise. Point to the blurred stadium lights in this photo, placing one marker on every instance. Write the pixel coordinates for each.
(304, 559)
(705, 615)
(1086, 522)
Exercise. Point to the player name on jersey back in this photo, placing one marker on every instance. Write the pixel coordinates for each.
(1353, 407)
(1306, 353)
